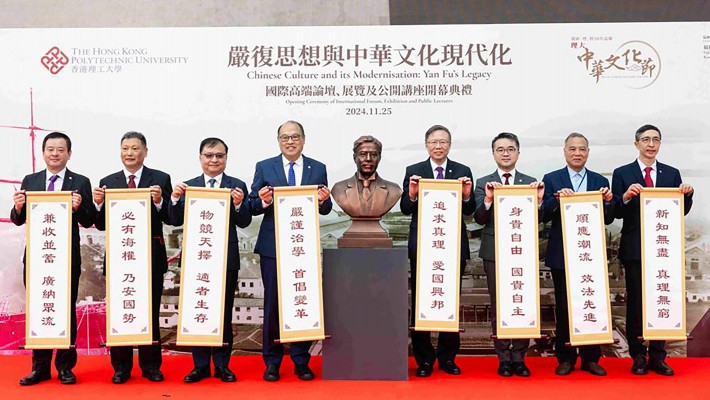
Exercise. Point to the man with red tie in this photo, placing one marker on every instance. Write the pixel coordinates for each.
(627, 183)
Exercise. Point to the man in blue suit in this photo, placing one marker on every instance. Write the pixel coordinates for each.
(575, 177)
(627, 183)
(213, 159)
(290, 168)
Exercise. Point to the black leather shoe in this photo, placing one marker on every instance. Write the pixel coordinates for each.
(225, 374)
(450, 367)
(120, 377)
(661, 368)
(520, 369)
(35, 377)
(196, 375)
(271, 374)
(505, 369)
(639, 367)
(303, 372)
(154, 375)
(424, 370)
(66, 377)
(594, 368)
(565, 368)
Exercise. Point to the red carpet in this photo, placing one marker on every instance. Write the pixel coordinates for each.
(478, 381)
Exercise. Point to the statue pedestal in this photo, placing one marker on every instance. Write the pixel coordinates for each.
(365, 233)
(366, 312)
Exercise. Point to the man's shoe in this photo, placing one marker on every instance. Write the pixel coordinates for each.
(424, 370)
(450, 367)
(520, 369)
(594, 368)
(565, 368)
(639, 367)
(35, 377)
(505, 369)
(225, 374)
(661, 368)
(271, 374)
(154, 375)
(303, 372)
(196, 375)
(120, 377)
(66, 377)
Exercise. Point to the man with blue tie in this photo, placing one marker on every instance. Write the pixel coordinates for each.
(290, 168)
(213, 159)
(56, 151)
(627, 182)
(575, 177)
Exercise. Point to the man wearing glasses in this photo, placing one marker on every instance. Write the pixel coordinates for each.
(627, 183)
(438, 166)
(290, 168)
(213, 159)
(511, 352)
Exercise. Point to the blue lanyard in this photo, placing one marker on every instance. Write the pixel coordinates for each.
(581, 181)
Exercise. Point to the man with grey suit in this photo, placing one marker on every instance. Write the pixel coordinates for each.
(506, 149)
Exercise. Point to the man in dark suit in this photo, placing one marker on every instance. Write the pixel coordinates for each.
(213, 159)
(437, 140)
(135, 175)
(575, 177)
(56, 151)
(290, 168)
(506, 150)
(627, 182)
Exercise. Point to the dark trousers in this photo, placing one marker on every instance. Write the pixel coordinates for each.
(272, 352)
(564, 353)
(66, 358)
(449, 342)
(149, 356)
(507, 349)
(634, 316)
(220, 355)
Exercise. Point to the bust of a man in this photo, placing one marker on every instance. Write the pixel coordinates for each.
(366, 197)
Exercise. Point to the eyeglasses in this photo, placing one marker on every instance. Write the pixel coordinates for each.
(295, 137)
(503, 150)
(646, 140)
(209, 156)
(434, 143)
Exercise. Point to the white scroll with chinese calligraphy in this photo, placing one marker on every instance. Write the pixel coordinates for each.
(128, 267)
(584, 240)
(298, 261)
(204, 266)
(663, 264)
(517, 262)
(438, 256)
(48, 267)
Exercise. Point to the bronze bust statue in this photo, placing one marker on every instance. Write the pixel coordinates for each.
(366, 197)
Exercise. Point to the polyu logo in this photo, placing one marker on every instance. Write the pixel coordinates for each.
(54, 60)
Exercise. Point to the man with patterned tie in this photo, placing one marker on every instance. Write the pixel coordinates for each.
(213, 159)
(437, 140)
(56, 151)
(627, 182)
(134, 150)
(506, 149)
(290, 168)
(574, 177)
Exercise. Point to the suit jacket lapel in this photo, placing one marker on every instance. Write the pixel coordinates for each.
(306, 173)
(449, 173)
(636, 171)
(426, 171)
(146, 178)
(660, 177)
(226, 181)
(566, 182)
(279, 171)
(68, 182)
(120, 180)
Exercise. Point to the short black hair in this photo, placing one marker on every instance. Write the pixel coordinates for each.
(505, 135)
(303, 132)
(640, 131)
(436, 128)
(213, 141)
(57, 135)
(134, 135)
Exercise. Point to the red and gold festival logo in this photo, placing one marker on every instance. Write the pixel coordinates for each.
(54, 60)
(635, 63)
